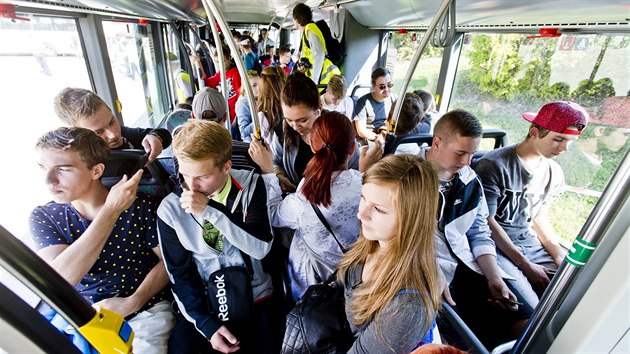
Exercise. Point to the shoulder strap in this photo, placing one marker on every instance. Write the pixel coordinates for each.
(323, 220)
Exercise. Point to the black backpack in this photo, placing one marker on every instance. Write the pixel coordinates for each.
(334, 49)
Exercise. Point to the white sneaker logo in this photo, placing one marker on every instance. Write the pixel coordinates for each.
(457, 201)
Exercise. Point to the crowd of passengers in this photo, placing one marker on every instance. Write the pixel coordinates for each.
(399, 232)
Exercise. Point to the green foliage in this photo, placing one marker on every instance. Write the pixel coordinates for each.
(593, 93)
(569, 212)
(406, 48)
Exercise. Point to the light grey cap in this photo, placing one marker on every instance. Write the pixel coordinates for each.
(209, 99)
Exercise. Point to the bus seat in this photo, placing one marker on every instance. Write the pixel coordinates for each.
(241, 159)
(422, 139)
(455, 332)
(177, 118)
(355, 95)
(155, 179)
(500, 139)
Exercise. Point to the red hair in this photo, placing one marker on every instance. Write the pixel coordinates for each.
(332, 140)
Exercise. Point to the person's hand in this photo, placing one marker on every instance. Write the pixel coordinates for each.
(501, 296)
(446, 292)
(193, 202)
(153, 145)
(261, 155)
(536, 275)
(123, 306)
(224, 341)
(123, 193)
(370, 155)
(285, 184)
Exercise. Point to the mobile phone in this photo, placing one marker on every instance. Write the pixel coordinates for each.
(502, 299)
(142, 161)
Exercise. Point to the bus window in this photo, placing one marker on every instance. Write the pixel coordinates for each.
(133, 65)
(174, 65)
(37, 59)
(401, 47)
(501, 76)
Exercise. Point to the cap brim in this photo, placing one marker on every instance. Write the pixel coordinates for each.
(530, 116)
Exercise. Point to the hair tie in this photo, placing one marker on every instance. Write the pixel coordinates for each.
(328, 146)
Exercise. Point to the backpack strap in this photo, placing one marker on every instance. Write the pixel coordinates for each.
(323, 220)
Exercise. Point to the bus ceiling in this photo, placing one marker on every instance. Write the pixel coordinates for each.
(471, 15)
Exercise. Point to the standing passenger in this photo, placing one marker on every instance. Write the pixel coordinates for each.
(103, 242)
(84, 109)
(218, 224)
(521, 181)
(268, 103)
(243, 113)
(313, 46)
(390, 274)
(329, 185)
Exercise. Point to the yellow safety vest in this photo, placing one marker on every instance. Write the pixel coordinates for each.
(328, 69)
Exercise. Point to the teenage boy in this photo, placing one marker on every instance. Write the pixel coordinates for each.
(520, 183)
(82, 108)
(371, 110)
(465, 251)
(219, 222)
(103, 242)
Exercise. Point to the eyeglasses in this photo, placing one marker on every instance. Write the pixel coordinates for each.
(383, 86)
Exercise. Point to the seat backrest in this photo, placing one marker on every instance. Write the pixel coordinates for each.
(155, 179)
(176, 118)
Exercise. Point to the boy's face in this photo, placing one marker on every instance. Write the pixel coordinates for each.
(452, 153)
(553, 144)
(105, 125)
(68, 178)
(203, 176)
(285, 58)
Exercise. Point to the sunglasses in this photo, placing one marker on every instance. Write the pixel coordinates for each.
(383, 86)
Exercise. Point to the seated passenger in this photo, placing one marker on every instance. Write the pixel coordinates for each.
(335, 99)
(409, 122)
(390, 275)
(103, 242)
(430, 114)
(485, 295)
(243, 113)
(83, 108)
(327, 184)
(209, 104)
(291, 150)
(268, 102)
(219, 224)
(232, 81)
(520, 182)
(371, 110)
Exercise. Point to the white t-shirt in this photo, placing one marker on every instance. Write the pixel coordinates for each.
(344, 107)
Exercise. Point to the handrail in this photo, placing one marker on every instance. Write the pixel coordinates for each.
(46, 283)
(203, 49)
(414, 63)
(462, 330)
(607, 208)
(221, 55)
(182, 47)
(213, 12)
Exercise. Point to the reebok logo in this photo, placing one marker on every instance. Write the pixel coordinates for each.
(222, 297)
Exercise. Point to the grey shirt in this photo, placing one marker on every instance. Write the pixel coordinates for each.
(516, 194)
(400, 323)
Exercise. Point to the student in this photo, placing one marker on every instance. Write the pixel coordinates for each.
(83, 108)
(268, 103)
(370, 112)
(335, 99)
(284, 59)
(103, 242)
(465, 250)
(218, 222)
(409, 122)
(250, 58)
(266, 46)
(521, 181)
(390, 275)
(232, 81)
(209, 104)
(430, 114)
(243, 113)
(327, 183)
(313, 46)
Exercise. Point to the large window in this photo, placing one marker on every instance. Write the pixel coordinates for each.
(133, 64)
(37, 59)
(500, 76)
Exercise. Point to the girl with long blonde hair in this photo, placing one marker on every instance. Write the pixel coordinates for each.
(390, 273)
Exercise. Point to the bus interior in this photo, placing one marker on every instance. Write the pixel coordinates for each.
(495, 59)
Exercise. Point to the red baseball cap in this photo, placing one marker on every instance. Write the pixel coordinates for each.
(560, 115)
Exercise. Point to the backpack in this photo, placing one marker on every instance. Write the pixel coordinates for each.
(334, 50)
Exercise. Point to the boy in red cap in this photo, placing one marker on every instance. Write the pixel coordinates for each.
(520, 182)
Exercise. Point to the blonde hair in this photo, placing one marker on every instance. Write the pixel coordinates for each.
(409, 262)
(272, 81)
(200, 140)
(75, 104)
(337, 86)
